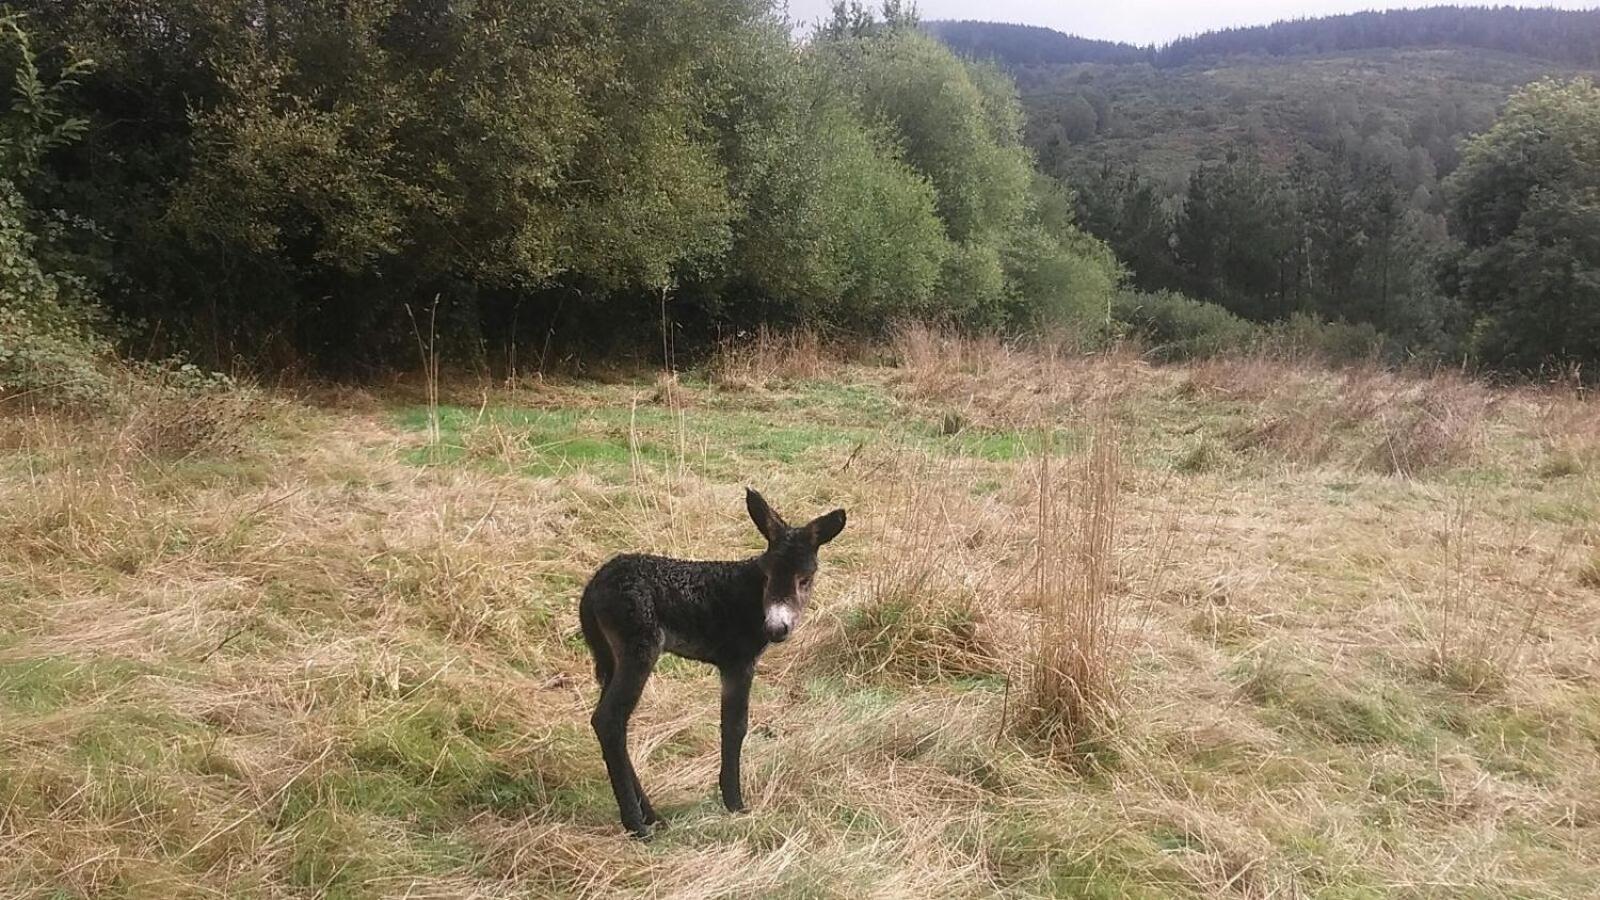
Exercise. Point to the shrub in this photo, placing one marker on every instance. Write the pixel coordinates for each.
(50, 354)
(1306, 337)
(1178, 328)
(180, 410)
(49, 351)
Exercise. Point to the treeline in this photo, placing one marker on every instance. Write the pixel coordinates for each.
(290, 182)
(1330, 237)
(1567, 36)
(1032, 45)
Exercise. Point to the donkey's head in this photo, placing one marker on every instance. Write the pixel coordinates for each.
(790, 563)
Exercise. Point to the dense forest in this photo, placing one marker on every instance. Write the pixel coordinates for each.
(1303, 169)
(1567, 36)
(259, 185)
(274, 184)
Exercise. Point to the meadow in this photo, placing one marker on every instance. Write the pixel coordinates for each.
(1243, 627)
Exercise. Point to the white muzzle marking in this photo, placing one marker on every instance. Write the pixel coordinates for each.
(780, 617)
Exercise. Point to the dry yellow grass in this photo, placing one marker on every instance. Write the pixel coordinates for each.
(330, 653)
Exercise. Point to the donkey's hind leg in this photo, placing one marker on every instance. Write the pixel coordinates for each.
(610, 720)
(605, 665)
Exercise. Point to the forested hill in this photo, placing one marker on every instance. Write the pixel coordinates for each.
(1565, 36)
(1312, 165)
(1029, 45)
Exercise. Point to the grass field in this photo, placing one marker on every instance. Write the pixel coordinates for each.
(1288, 633)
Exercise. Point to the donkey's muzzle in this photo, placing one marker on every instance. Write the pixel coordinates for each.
(780, 622)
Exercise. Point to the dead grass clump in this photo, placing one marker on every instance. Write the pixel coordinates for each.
(920, 638)
(923, 618)
(1073, 693)
(1241, 378)
(1589, 573)
(1431, 425)
(1477, 634)
(756, 360)
(1299, 435)
(1568, 425)
(185, 413)
(993, 383)
(670, 392)
(491, 440)
(935, 359)
(1368, 419)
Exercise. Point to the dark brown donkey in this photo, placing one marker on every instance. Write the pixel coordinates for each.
(722, 613)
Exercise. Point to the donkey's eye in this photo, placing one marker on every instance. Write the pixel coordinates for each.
(805, 581)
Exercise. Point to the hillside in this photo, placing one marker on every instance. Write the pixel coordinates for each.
(1390, 82)
(295, 646)
(1567, 36)
(1304, 168)
(1406, 108)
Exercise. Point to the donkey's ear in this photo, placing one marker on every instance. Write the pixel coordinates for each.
(825, 528)
(769, 523)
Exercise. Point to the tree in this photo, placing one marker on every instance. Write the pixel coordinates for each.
(1525, 205)
(1234, 240)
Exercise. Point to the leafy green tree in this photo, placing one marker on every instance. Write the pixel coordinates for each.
(1078, 120)
(1525, 205)
(839, 228)
(1016, 258)
(953, 121)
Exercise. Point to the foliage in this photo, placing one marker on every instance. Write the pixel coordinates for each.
(285, 184)
(1175, 327)
(1303, 336)
(838, 227)
(1016, 257)
(1292, 169)
(1571, 36)
(1231, 241)
(49, 349)
(1030, 44)
(1525, 205)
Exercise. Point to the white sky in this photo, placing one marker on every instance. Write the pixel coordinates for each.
(1144, 21)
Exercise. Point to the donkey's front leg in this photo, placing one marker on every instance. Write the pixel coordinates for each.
(735, 719)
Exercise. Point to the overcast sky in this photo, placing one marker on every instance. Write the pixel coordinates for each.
(1143, 21)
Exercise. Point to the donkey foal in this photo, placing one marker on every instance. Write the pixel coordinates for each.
(722, 613)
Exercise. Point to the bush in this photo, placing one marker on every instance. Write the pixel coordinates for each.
(178, 410)
(1178, 328)
(1304, 336)
(49, 352)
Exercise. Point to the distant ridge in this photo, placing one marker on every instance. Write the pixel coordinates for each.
(1567, 36)
(1031, 45)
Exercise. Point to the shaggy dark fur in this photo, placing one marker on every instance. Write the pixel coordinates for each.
(722, 613)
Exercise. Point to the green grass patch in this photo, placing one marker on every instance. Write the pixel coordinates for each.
(1332, 708)
(610, 440)
(921, 638)
(51, 683)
